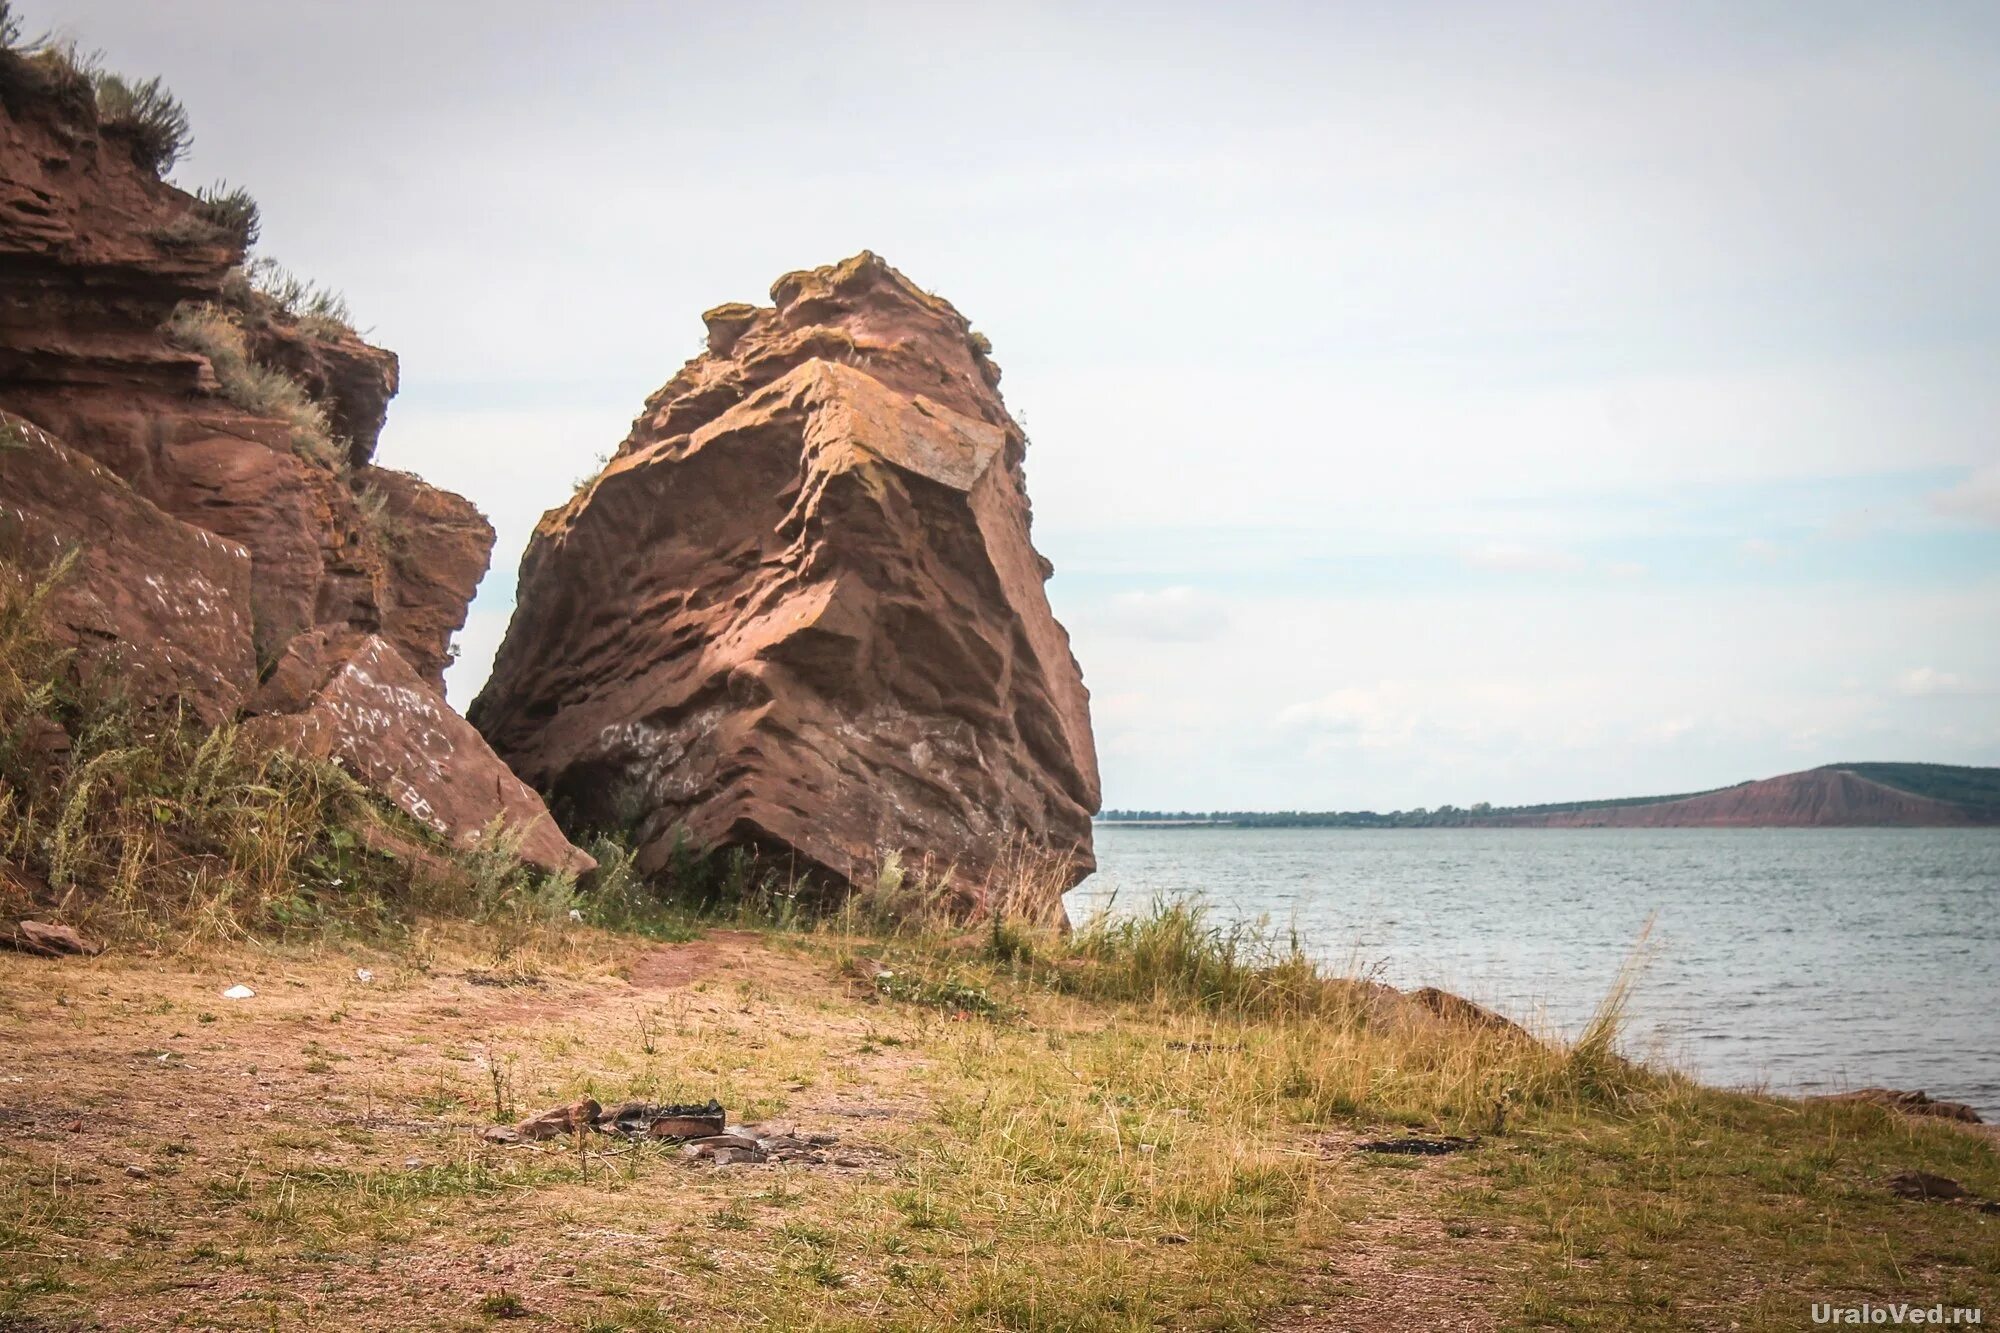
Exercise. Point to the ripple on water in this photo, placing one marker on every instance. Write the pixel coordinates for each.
(1840, 957)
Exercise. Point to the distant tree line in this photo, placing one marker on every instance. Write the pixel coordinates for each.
(1977, 789)
(1443, 816)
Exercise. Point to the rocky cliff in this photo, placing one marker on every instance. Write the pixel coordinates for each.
(205, 451)
(799, 610)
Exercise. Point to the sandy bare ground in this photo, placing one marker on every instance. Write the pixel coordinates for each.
(308, 1157)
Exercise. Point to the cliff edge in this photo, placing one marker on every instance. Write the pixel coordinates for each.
(192, 448)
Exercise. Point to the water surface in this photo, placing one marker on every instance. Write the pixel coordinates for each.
(1803, 960)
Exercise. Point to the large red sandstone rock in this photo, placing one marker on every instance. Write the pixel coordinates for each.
(799, 610)
(212, 546)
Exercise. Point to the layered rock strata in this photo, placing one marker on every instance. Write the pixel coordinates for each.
(210, 548)
(799, 611)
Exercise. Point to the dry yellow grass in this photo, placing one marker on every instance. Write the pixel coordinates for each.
(308, 1158)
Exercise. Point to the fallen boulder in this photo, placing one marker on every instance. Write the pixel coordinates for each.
(46, 939)
(577, 1118)
(1907, 1103)
(1925, 1186)
(799, 612)
(1459, 1010)
(1417, 1145)
(388, 728)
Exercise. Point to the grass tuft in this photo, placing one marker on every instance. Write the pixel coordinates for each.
(213, 332)
(146, 823)
(231, 211)
(322, 311)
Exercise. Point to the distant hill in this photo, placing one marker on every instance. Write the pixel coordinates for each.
(1927, 795)
(1837, 795)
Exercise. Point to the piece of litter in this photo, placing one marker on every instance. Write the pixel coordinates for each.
(363, 974)
(239, 992)
(575, 915)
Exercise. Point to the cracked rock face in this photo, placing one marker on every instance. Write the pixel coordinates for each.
(216, 566)
(799, 611)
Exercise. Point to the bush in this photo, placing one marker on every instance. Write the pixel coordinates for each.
(189, 229)
(149, 116)
(209, 330)
(230, 211)
(321, 309)
(616, 897)
(388, 529)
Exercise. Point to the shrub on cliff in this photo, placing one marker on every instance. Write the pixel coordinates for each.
(231, 211)
(142, 112)
(128, 818)
(149, 117)
(209, 330)
(321, 310)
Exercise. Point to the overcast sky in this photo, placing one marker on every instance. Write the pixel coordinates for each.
(1429, 404)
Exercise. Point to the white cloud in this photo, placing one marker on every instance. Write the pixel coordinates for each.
(1670, 729)
(1929, 682)
(1976, 499)
(1178, 614)
(1518, 558)
(1375, 717)
(1526, 693)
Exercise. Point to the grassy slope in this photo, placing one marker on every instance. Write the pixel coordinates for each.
(1110, 1152)
(1975, 788)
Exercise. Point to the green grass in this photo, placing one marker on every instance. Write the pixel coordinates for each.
(1143, 1149)
(147, 115)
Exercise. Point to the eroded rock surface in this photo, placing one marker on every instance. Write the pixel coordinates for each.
(162, 604)
(799, 609)
(374, 713)
(212, 550)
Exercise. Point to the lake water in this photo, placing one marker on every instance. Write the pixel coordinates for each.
(1802, 960)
